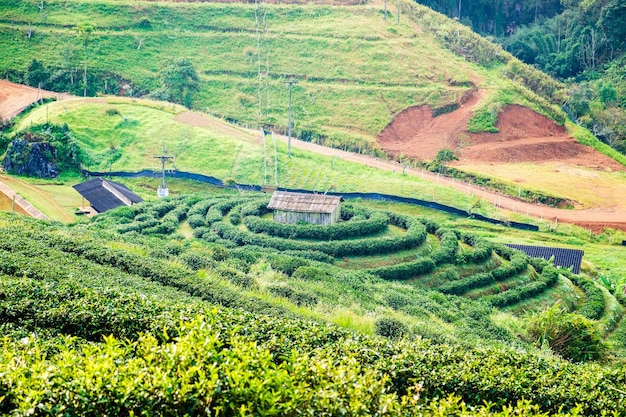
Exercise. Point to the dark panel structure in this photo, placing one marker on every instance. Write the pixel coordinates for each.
(105, 195)
(290, 207)
(564, 258)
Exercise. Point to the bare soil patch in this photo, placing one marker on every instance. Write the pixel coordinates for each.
(416, 133)
(524, 136)
(14, 98)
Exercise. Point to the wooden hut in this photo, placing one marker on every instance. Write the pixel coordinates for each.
(292, 207)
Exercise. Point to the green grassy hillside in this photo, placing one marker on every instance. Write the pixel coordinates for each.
(354, 69)
(132, 313)
(122, 134)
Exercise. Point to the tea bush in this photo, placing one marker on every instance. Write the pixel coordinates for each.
(390, 328)
(375, 223)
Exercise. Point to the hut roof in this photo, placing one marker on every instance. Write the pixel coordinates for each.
(303, 202)
(105, 195)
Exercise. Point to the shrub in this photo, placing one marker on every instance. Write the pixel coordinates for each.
(234, 218)
(463, 285)
(415, 235)
(236, 277)
(299, 298)
(548, 278)
(518, 263)
(448, 248)
(196, 260)
(594, 305)
(481, 250)
(390, 328)
(405, 270)
(195, 221)
(375, 223)
(310, 273)
(397, 301)
(286, 264)
(569, 335)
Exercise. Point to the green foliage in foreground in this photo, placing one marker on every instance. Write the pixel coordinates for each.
(229, 362)
(96, 322)
(570, 335)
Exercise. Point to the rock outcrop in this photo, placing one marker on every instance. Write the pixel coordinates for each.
(31, 158)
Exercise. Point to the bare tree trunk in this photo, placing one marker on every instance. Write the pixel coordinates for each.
(398, 7)
(594, 42)
(536, 10)
(85, 72)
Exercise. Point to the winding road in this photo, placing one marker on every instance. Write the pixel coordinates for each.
(596, 219)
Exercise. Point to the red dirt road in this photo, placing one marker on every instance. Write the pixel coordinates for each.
(14, 98)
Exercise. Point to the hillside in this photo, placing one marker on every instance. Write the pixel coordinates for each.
(354, 70)
(201, 304)
(362, 82)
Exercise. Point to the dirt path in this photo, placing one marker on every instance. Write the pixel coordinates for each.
(10, 181)
(14, 98)
(596, 219)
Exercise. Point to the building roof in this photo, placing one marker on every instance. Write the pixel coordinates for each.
(303, 202)
(105, 195)
(565, 258)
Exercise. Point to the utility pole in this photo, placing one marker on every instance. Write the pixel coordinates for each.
(275, 162)
(163, 191)
(290, 82)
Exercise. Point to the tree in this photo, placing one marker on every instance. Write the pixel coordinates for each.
(443, 157)
(612, 23)
(179, 82)
(36, 74)
(84, 32)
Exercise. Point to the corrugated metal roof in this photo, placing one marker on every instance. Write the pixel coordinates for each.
(105, 195)
(564, 258)
(304, 203)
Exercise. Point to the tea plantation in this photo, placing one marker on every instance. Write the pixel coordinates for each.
(202, 305)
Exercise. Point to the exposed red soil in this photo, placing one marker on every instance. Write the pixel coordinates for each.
(16, 97)
(416, 133)
(524, 136)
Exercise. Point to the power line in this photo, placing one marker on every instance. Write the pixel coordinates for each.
(290, 82)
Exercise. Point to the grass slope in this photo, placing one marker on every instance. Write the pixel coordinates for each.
(355, 70)
(129, 143)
